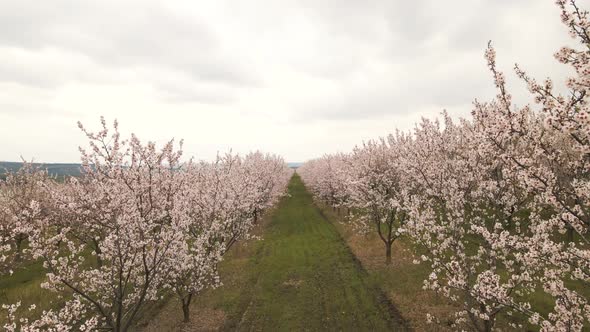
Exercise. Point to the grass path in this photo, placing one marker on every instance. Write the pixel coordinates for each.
(304, 277)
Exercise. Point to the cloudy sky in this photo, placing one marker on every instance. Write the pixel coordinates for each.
(298, 78)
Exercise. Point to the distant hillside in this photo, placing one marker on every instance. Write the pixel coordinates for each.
(64, 170)
(57, 170)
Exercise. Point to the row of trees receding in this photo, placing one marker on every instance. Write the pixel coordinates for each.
(498, 204)
(138, 225)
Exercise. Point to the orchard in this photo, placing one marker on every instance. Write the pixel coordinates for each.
(496, 207)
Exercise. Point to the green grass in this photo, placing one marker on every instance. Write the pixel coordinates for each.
(401, 281)
(25, 286)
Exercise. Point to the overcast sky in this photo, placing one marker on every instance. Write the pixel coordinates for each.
(297, 78)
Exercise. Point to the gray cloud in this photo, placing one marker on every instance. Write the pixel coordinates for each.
(275, 66)
(122, 35)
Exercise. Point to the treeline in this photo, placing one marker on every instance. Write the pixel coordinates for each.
(58, 171)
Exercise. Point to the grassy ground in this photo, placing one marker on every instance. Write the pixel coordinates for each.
(300, 276)
(24, 286)
(401, 281)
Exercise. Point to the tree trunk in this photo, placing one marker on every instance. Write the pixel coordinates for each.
(570, 234)
(186, 302)
(388, 253)
(488, 325)
(19, 244)
(98, 253)
(186, 313)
